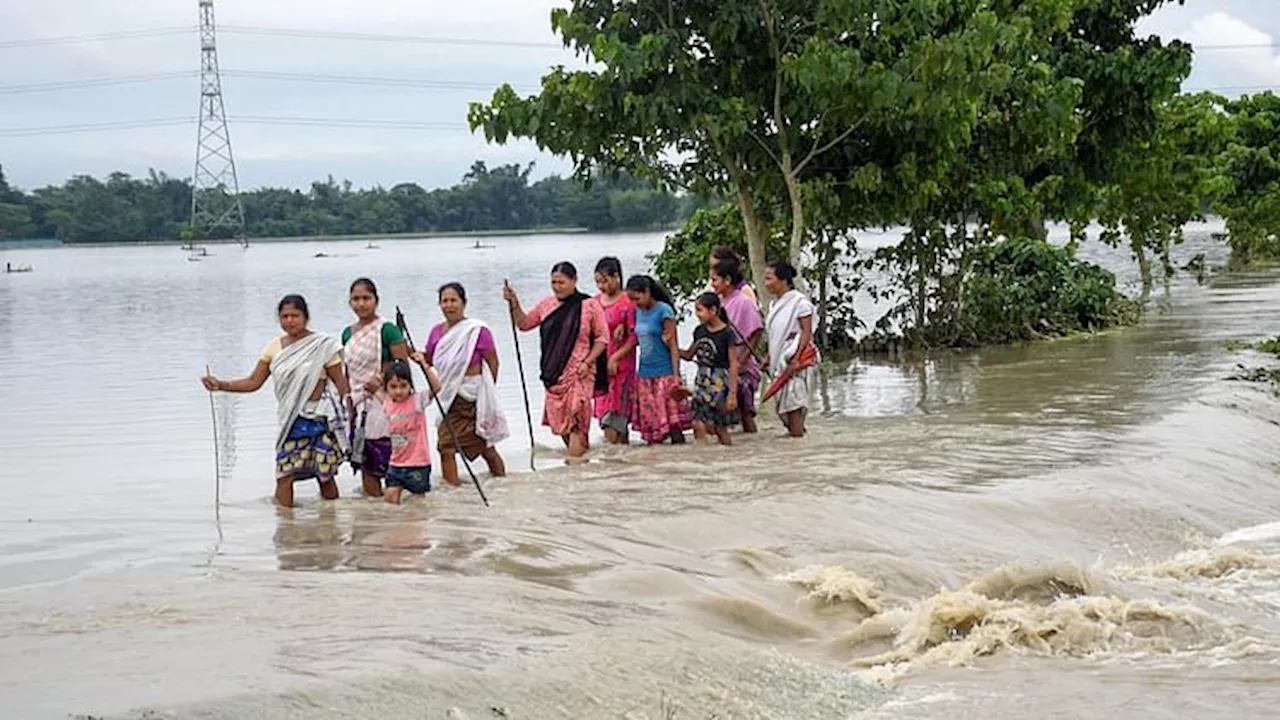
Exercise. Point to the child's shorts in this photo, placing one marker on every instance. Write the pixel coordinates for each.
(416, 480)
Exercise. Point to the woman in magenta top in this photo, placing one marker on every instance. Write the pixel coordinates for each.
(464, 355)
(615, 406)
(574, 338)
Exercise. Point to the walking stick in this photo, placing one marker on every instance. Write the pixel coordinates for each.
(528, 415)
(217, 464)
(444, 419)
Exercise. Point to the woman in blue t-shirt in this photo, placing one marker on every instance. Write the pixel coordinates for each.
(662, 404)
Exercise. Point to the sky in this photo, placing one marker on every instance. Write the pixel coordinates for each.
(518, 48)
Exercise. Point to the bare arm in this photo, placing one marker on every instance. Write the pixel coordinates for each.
(733, 377)
(249, 384)
(748, 348)
(400, 351)
(491, 359)
(337, 374)
(518, 315)
(669, 335)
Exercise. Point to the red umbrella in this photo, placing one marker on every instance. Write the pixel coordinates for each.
(808, 358)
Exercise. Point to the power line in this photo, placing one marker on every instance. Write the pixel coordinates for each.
(383, 37)
(407, 82)
(378, 37)
(269, 120)
(95, 82)
(99, 37)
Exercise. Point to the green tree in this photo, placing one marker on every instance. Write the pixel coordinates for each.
(1251, 206)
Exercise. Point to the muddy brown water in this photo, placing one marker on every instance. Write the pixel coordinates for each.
(1080, 528)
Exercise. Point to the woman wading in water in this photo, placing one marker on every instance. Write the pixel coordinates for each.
(465, 357)
(659, 413)
(369, 347)
(616, 405)
(790, 328)
(301, 363)
(574, 338)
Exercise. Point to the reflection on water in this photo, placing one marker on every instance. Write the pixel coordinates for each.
(1029, 511)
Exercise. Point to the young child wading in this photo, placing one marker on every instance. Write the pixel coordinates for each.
(715, 393)
(410, 466)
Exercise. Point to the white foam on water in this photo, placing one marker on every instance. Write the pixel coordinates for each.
(1254, 534)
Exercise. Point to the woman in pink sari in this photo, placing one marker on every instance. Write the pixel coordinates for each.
(747, 325)
(574, 337)
(614, 407)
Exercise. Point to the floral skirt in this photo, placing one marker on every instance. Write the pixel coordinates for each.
(711, 398)
(620, 399)
(656, 415)
(311, 450)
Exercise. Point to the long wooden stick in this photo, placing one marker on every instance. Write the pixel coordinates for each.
(217, 463)
(528, 414)
(444, 419)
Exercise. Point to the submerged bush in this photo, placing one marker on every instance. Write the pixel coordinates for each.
(1024, 289)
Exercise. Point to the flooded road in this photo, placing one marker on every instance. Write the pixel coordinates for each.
(1072, 529)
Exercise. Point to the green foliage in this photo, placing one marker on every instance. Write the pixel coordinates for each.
(683, 264)
(1025, 289)
(126, 209)
(1174, 176)
(1252, 165)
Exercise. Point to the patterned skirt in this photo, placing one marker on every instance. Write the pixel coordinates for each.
(711, 398)
(567, 409)
(311, 450)
(656, 414)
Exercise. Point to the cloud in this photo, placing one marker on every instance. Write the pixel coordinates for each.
(1233, 52)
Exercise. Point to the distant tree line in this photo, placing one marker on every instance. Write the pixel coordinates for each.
(122, 208)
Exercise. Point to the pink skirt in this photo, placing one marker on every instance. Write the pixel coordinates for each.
(568, 408)
(656, 414)
(621, 398)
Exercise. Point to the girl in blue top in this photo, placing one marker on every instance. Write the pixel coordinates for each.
(662, 406)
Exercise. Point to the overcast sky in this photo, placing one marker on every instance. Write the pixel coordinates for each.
(284, 155)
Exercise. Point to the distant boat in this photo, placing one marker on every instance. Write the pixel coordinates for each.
(478, 246)
(371, 246)
(11, 268)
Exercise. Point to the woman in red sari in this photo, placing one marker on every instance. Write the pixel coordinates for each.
(574, 337)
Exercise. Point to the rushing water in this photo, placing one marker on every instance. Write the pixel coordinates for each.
(1081, 528)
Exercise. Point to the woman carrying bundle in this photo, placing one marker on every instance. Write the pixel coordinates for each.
(302, 363)
(465, 357)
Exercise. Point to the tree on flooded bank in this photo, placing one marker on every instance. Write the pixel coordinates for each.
(121, 208)
(1251, 167)
(971, 123)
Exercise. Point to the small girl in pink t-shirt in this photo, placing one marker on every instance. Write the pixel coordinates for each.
(410, 466)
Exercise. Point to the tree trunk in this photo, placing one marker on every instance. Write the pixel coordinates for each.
(756, 248)
(797, 212)
(1144, 265)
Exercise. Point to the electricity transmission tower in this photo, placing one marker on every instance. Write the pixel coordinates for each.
(215, 189)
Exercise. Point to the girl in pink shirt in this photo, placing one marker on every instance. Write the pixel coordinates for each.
(410, 465)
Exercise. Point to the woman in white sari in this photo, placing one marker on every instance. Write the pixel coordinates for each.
(790, 330)
(302, 363)
(465, 357)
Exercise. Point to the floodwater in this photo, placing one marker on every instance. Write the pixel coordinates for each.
(1072, 529)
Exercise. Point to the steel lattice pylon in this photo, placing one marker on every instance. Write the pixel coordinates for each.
(215, 189)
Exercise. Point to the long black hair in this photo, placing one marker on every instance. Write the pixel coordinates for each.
(397, 369)
(644, 283)
(610, 266)
(711, 301)
(297, 302)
